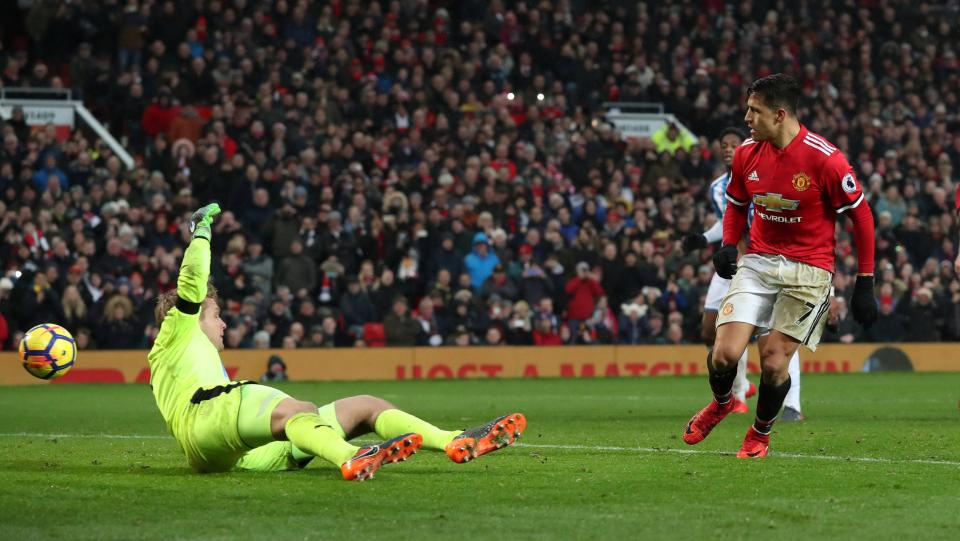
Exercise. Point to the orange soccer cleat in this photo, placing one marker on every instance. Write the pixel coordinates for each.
(703, 422)
(496, 434)
(751, 390)
(755, 444)
(369, 458)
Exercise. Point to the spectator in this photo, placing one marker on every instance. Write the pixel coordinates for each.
(519, 325)
(447, 257)
(399, 327)
(633, 325)
(674, 335)
(333, 334)
(669, 138)
(431, 333)
(357, 307)
(384, 292)
(461, 336)
(840, 324)
(261, 340)
(583, 289)
(258, 267)
(545, 333)
(339, 243)
(276, 370)
(480, 262)
(493, 336)
(74, 308)
(498, 284)
(923, 321)
(655, 333)
(49, 173)
(297, 271)
(118, 330)
(889, 327)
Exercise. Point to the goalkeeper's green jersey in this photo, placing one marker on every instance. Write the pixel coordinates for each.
(183, 359)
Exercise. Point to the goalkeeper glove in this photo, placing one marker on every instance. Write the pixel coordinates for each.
(201, 220)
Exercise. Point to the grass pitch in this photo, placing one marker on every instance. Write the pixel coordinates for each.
(879, 457)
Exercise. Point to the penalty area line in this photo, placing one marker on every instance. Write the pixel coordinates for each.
(654, 450)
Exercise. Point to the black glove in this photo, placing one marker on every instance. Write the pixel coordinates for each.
(864, 304)
(725, 261)
(694, 241)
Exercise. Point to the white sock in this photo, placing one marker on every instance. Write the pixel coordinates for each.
(792, 400)
(740, 383)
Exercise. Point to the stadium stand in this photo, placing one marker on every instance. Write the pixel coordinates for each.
(455, 154)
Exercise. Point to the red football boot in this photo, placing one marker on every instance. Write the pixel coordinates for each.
(703, 422)
(755, 444)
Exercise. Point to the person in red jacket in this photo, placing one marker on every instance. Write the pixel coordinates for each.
(544, 334)
(158, 116)
(583, 289)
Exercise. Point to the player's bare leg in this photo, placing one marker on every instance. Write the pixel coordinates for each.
(732, 340)
(776, 349)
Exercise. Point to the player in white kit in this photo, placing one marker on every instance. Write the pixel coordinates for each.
(730, 139)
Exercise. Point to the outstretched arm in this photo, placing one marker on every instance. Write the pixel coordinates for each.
(195, 268)
(192, 281)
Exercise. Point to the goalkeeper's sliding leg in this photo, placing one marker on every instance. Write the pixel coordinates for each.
(267, 415)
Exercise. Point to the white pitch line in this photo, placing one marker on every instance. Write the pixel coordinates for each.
(608, 448)
(88, 436)
(653, 450)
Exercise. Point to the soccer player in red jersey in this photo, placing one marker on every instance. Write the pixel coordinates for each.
(798, 183)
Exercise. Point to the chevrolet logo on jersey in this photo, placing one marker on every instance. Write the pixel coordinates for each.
(775, 202)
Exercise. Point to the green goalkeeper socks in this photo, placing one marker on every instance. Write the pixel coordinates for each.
(309, 432)
(392, 423)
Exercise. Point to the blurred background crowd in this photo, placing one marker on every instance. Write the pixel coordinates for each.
(442, 173)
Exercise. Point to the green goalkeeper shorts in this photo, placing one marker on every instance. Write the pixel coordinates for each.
(230, 426)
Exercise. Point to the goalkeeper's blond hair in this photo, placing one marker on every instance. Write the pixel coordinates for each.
(167, 300)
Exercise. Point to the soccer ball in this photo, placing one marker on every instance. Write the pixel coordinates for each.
(48, 351)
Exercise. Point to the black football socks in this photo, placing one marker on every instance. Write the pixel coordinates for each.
(721, 383)
(769, 402)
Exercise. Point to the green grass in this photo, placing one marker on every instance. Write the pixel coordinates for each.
(642, 483)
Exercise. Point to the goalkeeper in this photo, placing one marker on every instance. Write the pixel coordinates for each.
(222, 424)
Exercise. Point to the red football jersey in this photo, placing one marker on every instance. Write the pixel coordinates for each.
(797, 193)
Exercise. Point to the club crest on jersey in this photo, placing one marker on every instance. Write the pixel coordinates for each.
(775, 202)
(728, 309)
(753, 177)
(801, 181)
(849, 183)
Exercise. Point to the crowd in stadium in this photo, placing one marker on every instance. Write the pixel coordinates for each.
(441, 173)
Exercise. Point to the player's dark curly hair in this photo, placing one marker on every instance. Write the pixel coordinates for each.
(732, 131)
(777, 90)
